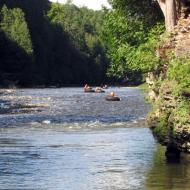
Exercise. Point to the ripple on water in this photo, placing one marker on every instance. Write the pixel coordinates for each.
(83, 142)
(72, 105)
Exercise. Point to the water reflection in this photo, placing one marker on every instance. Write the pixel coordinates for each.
(163, 175)
(38, 158)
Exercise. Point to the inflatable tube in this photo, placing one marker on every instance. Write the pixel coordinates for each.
(114, 98)
(100, 91)
(89, 90)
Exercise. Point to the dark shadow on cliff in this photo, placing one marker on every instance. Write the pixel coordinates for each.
(55, 60)
(14, 63)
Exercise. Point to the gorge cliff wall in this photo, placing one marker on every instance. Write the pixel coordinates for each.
(169, 91)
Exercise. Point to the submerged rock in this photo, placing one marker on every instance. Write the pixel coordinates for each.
(12, 103)
(172, 153)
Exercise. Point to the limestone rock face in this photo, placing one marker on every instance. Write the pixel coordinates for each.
(182, 37)
(168, 120)
(167, 126)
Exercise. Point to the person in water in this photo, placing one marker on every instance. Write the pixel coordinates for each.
(87, 87)
(111, 94)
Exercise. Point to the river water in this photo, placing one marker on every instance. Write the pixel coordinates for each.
(79, 141)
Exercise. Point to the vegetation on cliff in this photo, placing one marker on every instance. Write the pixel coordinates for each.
(170, 87)
(170, 118)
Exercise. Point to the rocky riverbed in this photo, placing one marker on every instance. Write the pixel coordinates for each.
(11, 102)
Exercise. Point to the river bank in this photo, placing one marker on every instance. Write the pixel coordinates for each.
(169, 91)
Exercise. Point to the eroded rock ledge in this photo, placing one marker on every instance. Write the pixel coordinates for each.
(169, 91)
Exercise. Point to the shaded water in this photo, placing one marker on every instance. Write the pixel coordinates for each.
(80, 141)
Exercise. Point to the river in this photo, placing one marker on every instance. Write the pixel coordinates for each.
(80, 141)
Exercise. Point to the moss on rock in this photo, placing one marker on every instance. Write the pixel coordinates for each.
(170, 117)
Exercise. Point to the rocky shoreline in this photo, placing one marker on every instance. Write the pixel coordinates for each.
(169, 92)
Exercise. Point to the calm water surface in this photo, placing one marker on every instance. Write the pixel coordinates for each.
(82, 142)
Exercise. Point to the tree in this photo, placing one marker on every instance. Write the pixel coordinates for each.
(13, 23)
(147, 10)
(56, 44)
(169, 10)
(16, 51)
(56, 13)
(132, 33)
(172, 10)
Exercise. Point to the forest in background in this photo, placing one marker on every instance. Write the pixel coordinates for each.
(43, 43)
(50, 44)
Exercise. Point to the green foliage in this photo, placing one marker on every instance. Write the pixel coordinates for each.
(81, 24)
(14, 25)
(131, 31)
(161, 131)
(179, 70)
(56, 13)
(55, 44)
(146, 10)
(131, 43)
(182, 111)
(173, 101)
(83, 27)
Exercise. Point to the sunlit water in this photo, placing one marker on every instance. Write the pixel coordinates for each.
(82, 142)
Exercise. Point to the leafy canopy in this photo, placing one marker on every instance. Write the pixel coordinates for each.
(131, 36)
(14, 25)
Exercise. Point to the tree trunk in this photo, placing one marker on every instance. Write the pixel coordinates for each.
(171, 15)
(169, 10)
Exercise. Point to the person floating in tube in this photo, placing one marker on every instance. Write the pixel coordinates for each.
(87, 87)
(111, 94)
